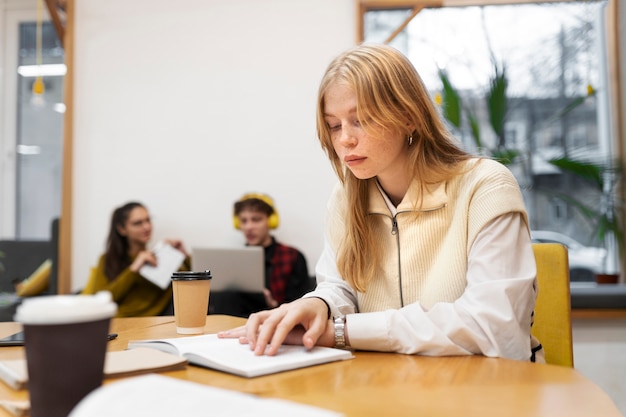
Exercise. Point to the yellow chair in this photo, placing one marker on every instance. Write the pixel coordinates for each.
(553, 319)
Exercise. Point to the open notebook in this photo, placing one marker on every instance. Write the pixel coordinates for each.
(228, 355)
(232, 268)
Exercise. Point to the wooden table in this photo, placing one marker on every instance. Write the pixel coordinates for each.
(377, 384)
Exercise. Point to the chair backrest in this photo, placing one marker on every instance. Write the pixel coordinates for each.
(553, 319)
(21, 258)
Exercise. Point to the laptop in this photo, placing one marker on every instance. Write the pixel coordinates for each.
(241, 269)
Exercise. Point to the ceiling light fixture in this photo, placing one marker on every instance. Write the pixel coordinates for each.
(48, 70)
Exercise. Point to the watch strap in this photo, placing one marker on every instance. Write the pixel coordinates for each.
(339, 324)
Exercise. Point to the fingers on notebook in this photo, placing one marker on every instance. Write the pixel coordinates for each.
(237, 332)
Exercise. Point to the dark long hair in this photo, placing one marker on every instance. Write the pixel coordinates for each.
(116, 255)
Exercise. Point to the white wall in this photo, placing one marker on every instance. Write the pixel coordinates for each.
(186, 108)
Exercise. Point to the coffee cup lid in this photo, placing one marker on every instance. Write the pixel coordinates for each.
(61, 309)
(191, 276)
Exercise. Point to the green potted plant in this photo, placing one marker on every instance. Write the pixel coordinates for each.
(496, 101)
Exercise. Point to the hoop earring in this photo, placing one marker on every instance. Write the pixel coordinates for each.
(409, 139)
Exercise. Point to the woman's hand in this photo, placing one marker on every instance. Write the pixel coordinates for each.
(143, 257)
(177, 244)
(269, 300)
(302, 322)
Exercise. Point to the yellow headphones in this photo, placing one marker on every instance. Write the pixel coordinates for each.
(272, 220)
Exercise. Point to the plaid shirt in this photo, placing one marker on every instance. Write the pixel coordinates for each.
(286, 272)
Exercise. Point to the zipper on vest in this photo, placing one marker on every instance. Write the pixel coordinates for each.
(394, 226)
(394, 231)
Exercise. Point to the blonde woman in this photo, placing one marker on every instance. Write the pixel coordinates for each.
(427, 248)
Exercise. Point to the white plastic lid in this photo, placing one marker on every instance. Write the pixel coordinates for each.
(61, 309)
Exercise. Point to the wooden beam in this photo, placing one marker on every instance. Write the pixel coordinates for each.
(360, 18)
(363, 6)
(616, 99)
(404, 24)
(56, 20)
(399, 4)
(65, 222)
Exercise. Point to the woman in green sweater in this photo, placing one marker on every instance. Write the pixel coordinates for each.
(118, 268)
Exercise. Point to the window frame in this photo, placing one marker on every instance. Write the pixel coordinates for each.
(616, 106)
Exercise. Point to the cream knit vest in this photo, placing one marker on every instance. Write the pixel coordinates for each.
(426, 259)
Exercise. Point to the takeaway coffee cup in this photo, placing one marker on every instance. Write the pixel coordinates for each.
(191, 300)
(65, 337)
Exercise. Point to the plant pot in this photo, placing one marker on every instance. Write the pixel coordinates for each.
(607, 278)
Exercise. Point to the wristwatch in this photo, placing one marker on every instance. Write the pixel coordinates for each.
(340, 332)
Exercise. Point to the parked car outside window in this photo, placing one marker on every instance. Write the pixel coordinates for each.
(584, 261)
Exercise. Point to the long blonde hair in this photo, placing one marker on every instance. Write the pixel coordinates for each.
(390, 95)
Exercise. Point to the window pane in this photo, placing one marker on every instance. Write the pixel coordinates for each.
(553, 56)
(39, 134)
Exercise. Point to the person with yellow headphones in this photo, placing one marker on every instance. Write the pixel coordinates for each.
(286, 272)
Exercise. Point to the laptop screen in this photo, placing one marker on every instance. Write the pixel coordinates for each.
(239, 269)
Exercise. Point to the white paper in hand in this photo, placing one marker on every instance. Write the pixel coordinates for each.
(169, 260)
